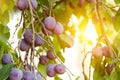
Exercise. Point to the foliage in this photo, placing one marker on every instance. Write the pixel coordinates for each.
(103, 15)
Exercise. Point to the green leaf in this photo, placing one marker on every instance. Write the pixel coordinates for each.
(45, 2)
(77, 78)
(5, 7)
(115, 74)
(61, 57)
(66, 39)
(5, 71)
(117, 1)
(20, 32)
(4, 43)
(42, 69)
(4, 31)
(83, 24)
(117, 42)
(1, 66)
(56, 44)
(97, 76)
(116, 22)
(57, 78)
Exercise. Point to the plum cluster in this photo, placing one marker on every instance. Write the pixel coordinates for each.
(43, 59)
(52, 26)
(23, 4)
(17, 74)
(26, 42)
(100, 51)
(53, 69)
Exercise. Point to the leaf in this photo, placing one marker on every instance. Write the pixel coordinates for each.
(45, 2)
(97, 76)
(77, 78)
(5, 7)
(61, 57)
(5, 31)
(117, 1)
(116, 23)
(1, 66)
(66, 39)
(57, 78)
(115, 74)
(85, 76)
(83, 24)
(56, 44)
(117, 42)
(42, 69)
(4, 43)
(5, 71)
(20, 32)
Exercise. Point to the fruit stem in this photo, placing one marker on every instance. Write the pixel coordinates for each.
(33, 32)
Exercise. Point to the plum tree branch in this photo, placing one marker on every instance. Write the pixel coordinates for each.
(103, 29)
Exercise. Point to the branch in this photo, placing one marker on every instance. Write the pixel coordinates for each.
(103, 29)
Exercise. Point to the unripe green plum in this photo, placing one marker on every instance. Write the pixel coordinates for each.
(22, 4)
(58, 28)
(51, 70)
(6, 59)
(15, 74)
(60, 69)
(23, 45)
(50, 23)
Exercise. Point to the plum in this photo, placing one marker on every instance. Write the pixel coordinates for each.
(50, 55)
(60, 68)
(6, 59)
(22, 4)
(50, 23)
(39, 40)
(51, 70)
(34, 4)
(24, 46)
(97, 51)
(15, 74)
(80, 3)
(43, 60)
(58, 28)
(28, 75)
(38, 76)
(28, 36)
(109, 68)
(105, 51)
